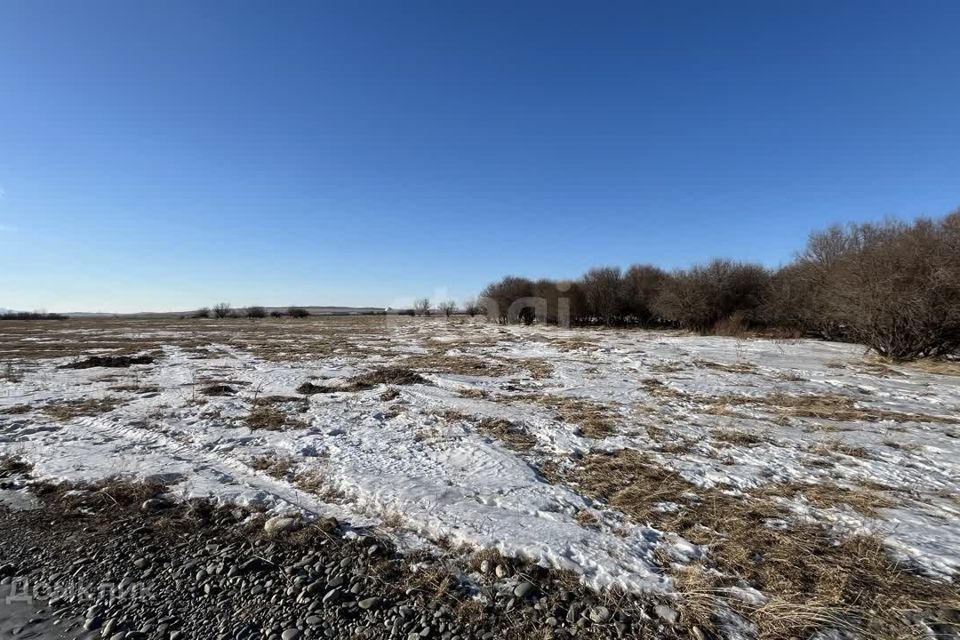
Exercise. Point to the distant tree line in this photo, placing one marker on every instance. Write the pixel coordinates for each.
(893, 286)
(31, 315)
(223, 310)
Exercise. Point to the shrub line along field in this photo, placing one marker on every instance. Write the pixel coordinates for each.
(768, 487)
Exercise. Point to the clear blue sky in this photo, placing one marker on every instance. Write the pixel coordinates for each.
(166, 155)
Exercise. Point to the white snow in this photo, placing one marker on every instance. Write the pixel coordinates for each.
(404, 460)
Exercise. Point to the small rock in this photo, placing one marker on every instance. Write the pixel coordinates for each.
(369, 603)
(523, 590)
(665, 613)
(291, 634)
(279, 524)
(154, 504)
(600, 614)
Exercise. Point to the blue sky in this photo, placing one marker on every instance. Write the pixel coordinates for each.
(167, 155)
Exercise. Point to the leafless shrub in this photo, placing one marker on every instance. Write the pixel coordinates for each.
(641, 285)
(422, 307)
(893, 286)
(447, 308)
(221, 310)
(700, 297)
(298, 312)
(500, 297)
(603, 294)
(256, 312)
(201, 313)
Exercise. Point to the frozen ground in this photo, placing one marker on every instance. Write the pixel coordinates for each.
(428, 462)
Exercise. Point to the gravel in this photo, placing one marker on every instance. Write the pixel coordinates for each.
(116, 569)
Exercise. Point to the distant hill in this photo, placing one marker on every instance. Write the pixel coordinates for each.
(314, 311)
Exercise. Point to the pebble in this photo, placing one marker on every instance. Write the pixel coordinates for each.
(279, 524)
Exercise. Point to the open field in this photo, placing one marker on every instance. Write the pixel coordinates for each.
(762, 488)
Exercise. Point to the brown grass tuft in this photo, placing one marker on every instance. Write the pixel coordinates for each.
(513, 435)
(271, 418)
(273, 466)
(70, 409)
(593, 419)
(812, 579)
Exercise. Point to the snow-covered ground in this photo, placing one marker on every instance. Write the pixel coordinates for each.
(418, 464)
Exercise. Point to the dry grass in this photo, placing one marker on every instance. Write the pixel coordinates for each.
(513, 435)
(813, 580)
(279, 468)
(13, 465)
(477, 394)
(10, 372)
(658, 389)
(390, 394)
(315, 483)
(367, 381)
(667, 367)
(937, 366)
(467, 365)
(587, 519)
(538, 368)
(736, 367)
(271, 418)
(831, 496)
(574, 343)
(839, 446)
(70, 409)
(592, 419)
(16, 410)
(832, 407)
(733, 436)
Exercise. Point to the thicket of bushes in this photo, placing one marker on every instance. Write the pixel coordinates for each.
(893, 286)
(224, 310)
(31, 315)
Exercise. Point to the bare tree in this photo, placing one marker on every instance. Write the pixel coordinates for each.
(500, 296)
(603, 292)
(221, 310)
(447, 308)
(700, 297)
(641, 286)
(422, 307)
(893, 286)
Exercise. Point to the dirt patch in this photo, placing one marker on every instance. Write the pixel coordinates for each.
(387, 375)
(218, 390)
(367, 381)
(113, 362)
